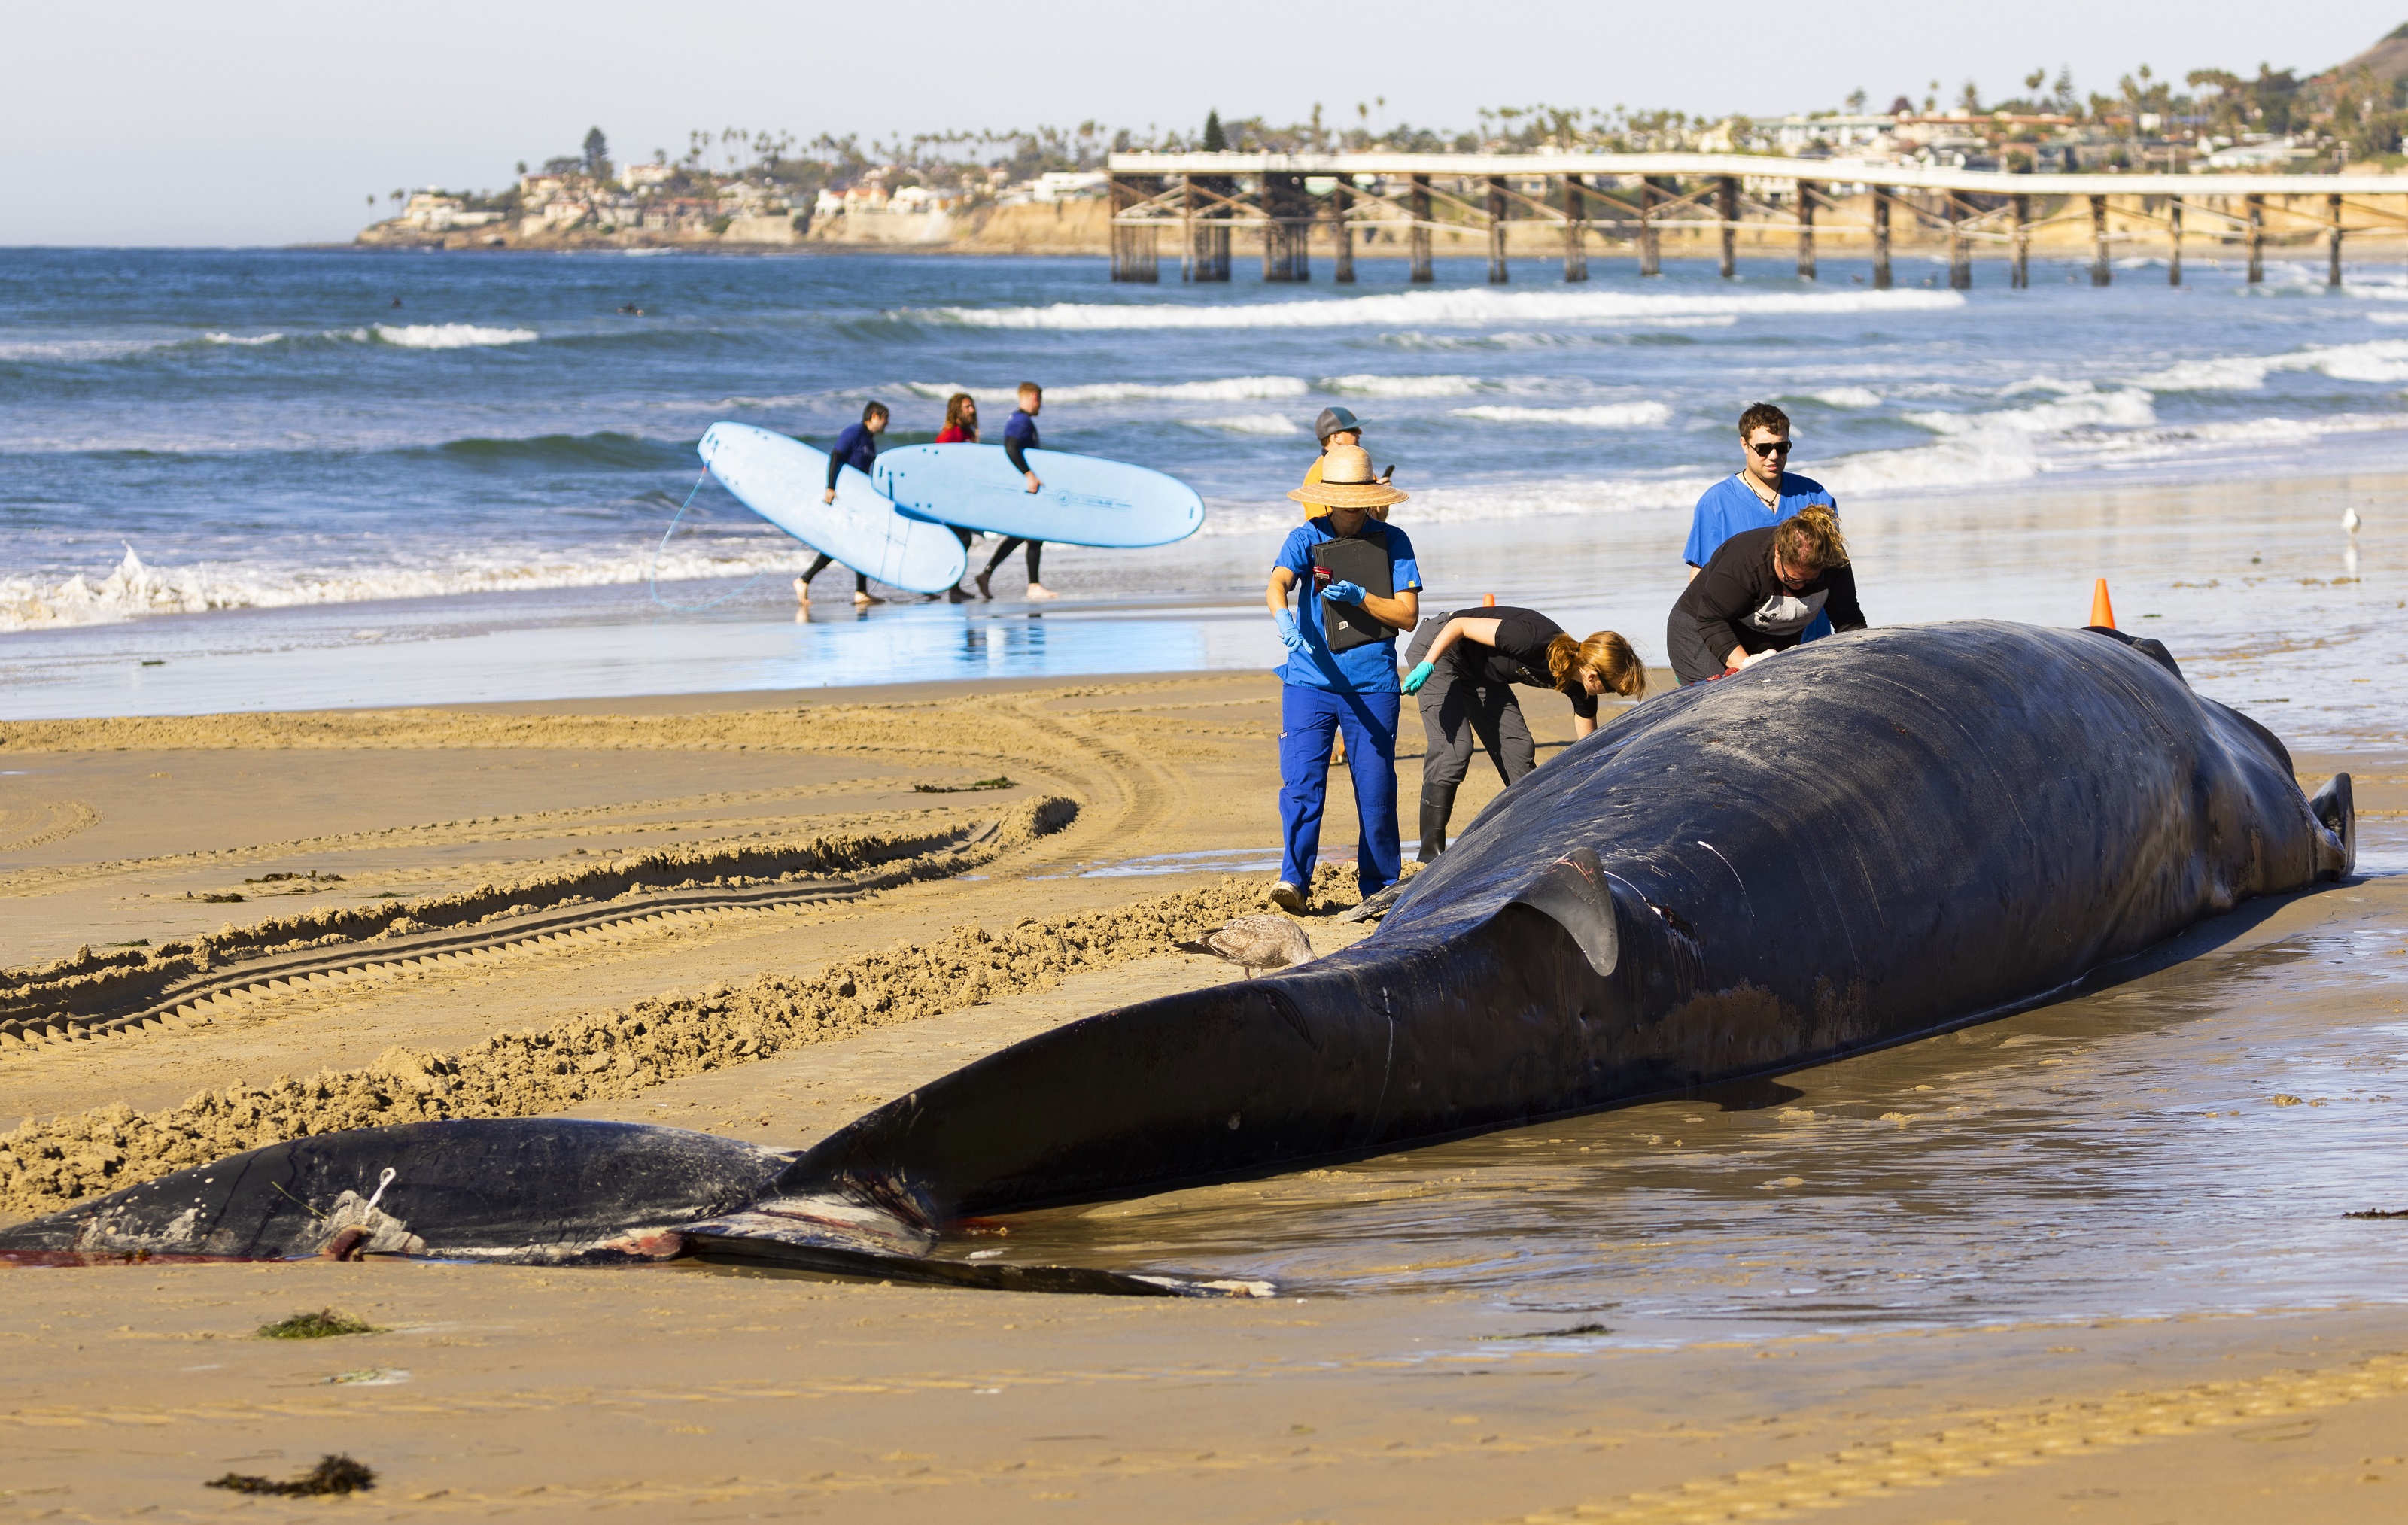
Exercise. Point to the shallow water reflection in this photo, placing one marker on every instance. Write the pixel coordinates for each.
(2185, 1143)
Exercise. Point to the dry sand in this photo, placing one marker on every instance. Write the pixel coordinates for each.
(517, 1391)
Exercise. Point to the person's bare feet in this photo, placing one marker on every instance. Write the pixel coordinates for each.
(1037, 589)
(985, 591)
(802, 592)
(863, 601)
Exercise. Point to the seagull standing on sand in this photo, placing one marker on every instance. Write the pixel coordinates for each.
(2349, 519)
(1256, 942)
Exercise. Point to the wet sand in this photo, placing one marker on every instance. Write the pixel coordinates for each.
(2089, 1262)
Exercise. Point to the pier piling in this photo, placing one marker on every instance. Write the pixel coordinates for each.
(1650, 256)
(1341, 231)
(1498, 212)
(1726, 210)
(1419, 204)
(1137, 253)
(1575, 229)
(1881, 239)
(1287, 248)
(1285, 199)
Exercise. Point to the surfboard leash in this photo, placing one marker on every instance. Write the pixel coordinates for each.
(651, 573)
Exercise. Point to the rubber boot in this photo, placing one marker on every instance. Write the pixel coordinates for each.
(1437, 803)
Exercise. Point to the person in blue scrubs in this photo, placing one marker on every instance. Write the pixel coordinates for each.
(1354, 692)
(1761, 494)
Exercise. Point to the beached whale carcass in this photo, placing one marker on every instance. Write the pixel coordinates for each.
(1865, 840)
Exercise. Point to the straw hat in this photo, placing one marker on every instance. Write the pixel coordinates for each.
(1347, 482)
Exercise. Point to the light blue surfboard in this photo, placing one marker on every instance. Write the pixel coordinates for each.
(782, 480)
(1086, 500)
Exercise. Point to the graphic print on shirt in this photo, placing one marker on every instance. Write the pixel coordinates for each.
(1786, 614)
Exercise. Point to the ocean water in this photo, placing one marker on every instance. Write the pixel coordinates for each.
(277, 475)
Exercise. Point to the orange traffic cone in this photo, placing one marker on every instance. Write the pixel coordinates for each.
(2103, 613)
(1488, 600)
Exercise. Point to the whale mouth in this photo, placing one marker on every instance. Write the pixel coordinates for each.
(833, 1233)
(2335, 807)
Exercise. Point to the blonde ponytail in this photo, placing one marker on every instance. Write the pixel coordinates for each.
(1606, 654)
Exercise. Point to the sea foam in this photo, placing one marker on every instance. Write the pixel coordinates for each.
(1601, 416)
(1425, 308)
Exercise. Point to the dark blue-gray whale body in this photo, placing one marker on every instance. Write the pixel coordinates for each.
(1865, 840)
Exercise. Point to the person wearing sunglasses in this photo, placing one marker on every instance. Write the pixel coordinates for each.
(1761, 494)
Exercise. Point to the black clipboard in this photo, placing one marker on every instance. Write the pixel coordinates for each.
(1362, 560)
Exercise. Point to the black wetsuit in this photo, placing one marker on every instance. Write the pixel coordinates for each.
(1019, 436)
(856, 448)
(1739, 602)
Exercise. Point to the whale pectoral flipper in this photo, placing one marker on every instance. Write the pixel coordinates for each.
(2335, 807)
(1573, 895)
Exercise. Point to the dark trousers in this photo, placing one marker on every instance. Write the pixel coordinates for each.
(1012, 543)
(1308, 720)
(1457, 710)
(860, 580)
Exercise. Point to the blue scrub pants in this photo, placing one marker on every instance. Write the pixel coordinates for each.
(1308, 718)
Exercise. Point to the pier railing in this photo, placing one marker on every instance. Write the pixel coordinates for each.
(1632, 200)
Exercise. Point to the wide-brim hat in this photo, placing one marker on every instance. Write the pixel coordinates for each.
(1347, 482)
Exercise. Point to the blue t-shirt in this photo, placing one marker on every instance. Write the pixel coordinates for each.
(1369, 668)
(1731, 505)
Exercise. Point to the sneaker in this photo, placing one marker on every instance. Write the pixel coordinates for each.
(1287, 897)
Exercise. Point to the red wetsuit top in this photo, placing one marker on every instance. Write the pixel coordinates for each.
(955, 434)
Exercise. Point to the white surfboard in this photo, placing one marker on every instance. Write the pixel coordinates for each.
(783, 479)
(1086, 500)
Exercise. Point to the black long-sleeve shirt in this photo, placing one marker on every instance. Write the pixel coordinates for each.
(1738, 601)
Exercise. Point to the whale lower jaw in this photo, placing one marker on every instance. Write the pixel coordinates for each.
(835, 1234)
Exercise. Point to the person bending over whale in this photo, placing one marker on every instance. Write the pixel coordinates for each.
(1465, 666)
(1758, 594)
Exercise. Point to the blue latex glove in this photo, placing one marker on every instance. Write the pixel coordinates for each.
(1419, 675)
(1290, 636)
(1344, 593)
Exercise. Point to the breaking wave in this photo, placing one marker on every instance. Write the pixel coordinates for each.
(1424, 307)
(135, 589)
(1602, 416)
(1248, 423)
(1405, 386)
(445, 336)
(1235, 389)
(2378, 361)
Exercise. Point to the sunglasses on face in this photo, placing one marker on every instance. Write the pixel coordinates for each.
(1778, 446)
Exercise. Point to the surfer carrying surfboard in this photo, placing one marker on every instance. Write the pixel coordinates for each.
(1020, 437)
(858, 447)
(1361, 587)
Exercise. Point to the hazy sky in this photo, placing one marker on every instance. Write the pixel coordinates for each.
(260, 121)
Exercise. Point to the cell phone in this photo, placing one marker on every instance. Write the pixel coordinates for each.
(1389, 473)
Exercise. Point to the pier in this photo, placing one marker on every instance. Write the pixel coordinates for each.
(1628, 203)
